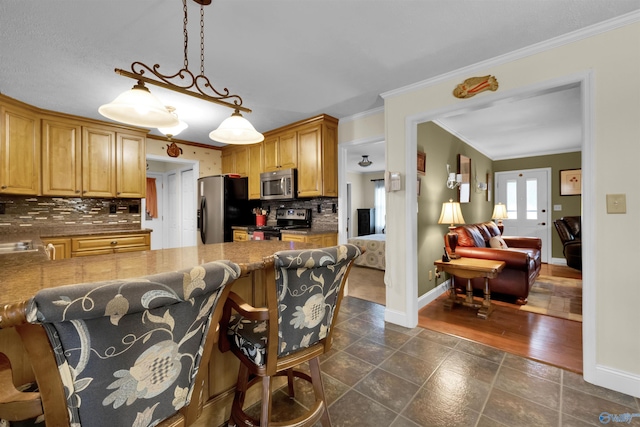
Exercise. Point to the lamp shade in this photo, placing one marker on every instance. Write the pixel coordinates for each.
(451, 213)
(174, 130)
(139, 107)
(236, 130)
(500, 212)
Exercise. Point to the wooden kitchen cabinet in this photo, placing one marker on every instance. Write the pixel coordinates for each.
(235, 159)
(61, 157)
(131, 165)
(255, 169)
(19, 148)
(108, 244)
(61, 245)
(322, 240)
(311, 146)
(280, 151)
(240, 236)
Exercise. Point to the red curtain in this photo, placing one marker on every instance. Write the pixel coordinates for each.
(152, 198)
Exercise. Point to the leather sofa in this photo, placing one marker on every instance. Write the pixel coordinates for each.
(522, 257)
(569, 230)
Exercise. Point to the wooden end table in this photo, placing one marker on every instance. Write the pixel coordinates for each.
(470, 268)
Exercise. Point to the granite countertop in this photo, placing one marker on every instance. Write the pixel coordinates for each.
(23, 276)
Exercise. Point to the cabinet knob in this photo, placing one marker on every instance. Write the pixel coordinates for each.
(118, 193)
(77, 191)
(3, 187)
(115, 242)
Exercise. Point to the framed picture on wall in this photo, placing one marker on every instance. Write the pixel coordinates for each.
(422, 163)
(571, 182)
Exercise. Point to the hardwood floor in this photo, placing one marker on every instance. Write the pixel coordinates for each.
(546, 339)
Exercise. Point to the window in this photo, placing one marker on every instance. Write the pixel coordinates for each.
(379, 205)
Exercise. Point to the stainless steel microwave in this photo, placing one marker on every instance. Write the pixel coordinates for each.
(278, 185)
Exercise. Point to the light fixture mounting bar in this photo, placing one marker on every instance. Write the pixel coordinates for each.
(191, 82)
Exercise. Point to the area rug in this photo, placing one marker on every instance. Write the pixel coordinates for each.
(557, 297)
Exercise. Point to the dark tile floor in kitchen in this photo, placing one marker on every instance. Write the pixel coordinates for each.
(379, 374)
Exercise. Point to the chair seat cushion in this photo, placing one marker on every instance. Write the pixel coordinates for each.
(249, 336)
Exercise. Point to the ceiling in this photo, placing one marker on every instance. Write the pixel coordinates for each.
(290, 60)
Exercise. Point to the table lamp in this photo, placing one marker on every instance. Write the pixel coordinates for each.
(500, 213)
(451, 214)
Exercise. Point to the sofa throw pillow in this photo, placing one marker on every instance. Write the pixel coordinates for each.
(497, 242)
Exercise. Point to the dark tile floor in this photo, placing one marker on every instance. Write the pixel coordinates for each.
(379, 374)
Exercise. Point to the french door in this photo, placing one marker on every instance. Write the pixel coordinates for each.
(526, 196)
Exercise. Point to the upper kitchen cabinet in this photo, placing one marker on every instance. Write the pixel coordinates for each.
(235, 159)
(280, 150)
(19, 148)
(311, 146)
(61, 157)
(255, 169)
(131, 165)
(98, 162)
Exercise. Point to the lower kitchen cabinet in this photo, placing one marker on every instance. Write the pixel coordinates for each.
(62, 247)
(322, 240)
(240, 236)
(108, 244)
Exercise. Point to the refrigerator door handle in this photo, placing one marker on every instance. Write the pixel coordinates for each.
(203, 218)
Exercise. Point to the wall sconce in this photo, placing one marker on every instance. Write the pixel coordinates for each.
(453, 179)
(500, 213)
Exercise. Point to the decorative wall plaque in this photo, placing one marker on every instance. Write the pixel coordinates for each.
(173, 150)
(475, 85)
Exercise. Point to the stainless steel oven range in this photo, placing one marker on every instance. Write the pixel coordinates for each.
(286, 219)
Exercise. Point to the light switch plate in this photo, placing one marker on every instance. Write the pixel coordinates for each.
(557, 208)
(616, 203)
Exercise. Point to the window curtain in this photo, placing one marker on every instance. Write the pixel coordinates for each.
(379, 205)
(152, 198)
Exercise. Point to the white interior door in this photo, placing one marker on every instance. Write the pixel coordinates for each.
(187, 202)
(172, 219)
(526, 196)
(155, 224)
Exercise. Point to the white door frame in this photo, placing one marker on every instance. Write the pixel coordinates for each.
(195, 164)
(585, 79)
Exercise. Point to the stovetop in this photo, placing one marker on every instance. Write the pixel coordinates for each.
(287, 219)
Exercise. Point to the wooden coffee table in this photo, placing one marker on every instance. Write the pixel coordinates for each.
(470, 268)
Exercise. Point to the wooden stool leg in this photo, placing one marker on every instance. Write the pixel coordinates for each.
(238, 398)
(316, 379)
(290, 383)
(265, 414)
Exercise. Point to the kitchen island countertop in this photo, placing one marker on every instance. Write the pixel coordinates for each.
(22, 278)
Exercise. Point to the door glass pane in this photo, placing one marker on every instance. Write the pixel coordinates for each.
(532, 199)
(512, 199)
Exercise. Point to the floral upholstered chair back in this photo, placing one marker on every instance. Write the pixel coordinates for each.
(309, 286)
(129, 350)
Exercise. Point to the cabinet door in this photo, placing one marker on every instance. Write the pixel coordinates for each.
(270, 154)
(255, 168)
(98, 162)
(329, 239)
(241, 161)
(293, 238)
(310, 164)
(330, 160)
(226, 160)
(240, 236)
(288, 150)
(61, 158)
(19, 151)
(62, 247)
(131, 179)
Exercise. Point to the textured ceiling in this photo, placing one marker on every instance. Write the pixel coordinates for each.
(287, 59)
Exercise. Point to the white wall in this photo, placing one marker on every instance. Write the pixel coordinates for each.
(608, 64)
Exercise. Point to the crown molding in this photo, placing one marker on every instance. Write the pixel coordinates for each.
(362, 115)
(574, 36)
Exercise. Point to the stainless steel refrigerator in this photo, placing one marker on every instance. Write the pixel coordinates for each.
(223, 203)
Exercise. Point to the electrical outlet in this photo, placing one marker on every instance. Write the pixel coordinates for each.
(334, 208)
(1, 208)
(319, 208)
(113, 208)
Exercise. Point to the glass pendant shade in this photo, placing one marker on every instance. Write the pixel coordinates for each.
(139, 107)
(236, 130)
(174, 130)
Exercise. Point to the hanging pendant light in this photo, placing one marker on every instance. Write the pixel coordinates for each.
(139, 107)
(173, 130)
(365, 161)
(236, 130)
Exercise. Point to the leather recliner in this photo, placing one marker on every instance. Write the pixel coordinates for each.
(569, 230)
(522, 258)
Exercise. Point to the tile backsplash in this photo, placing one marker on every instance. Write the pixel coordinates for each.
(35, 214)
(324, 211)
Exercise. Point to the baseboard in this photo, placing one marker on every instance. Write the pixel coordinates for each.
(620, 381)
(433, 294)
(558, 261)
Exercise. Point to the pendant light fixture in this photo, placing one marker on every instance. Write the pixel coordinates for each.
(365, 161)
(127, 108)
(172, 131)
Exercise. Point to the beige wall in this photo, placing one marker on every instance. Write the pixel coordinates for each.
(611, 63)
(209, 159)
